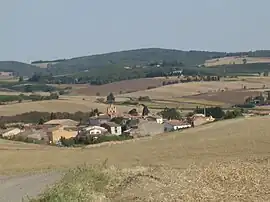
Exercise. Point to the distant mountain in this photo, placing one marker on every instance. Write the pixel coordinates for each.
(19, 68)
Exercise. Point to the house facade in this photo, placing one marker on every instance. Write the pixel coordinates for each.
(112, 128)
(94, 130)
(55, 134)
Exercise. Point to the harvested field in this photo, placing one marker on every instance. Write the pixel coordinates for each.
(221, 141)
(231, 97)
(117, 87)
(227, 160)
(70, 105)
(187, 89)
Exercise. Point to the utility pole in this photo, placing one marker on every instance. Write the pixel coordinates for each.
(204, 111)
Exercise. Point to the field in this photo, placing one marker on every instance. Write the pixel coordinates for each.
(182, 95)
(70, 104)
(231, 97)
(230, 159)
(235, 60)
(115, 87)
(188, 89)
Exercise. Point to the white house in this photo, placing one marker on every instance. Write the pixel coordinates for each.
(12, 132)
(175, 125)
(94, 130)
(113, 128)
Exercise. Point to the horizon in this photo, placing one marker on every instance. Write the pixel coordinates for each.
(36, 30)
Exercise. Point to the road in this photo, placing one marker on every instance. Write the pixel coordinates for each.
(16, 188)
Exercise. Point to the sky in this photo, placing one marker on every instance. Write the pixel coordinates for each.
(55, 29)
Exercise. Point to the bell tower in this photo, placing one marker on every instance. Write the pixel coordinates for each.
(111, 110)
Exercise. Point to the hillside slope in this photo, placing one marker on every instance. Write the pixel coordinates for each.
(134, 57)
(228, 160)
(139, 58)
(20, 69)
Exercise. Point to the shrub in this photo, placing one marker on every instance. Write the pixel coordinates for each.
(233, 114)
(144, 98)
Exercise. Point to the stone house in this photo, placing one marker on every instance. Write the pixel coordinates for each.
(112, 128)
(98, 120)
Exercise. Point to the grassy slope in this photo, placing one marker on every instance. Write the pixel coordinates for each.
(227, 161)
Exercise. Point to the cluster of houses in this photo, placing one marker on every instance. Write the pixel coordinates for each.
(102, 124)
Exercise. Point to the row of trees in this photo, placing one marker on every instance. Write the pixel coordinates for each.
(32, 97)
(215, 112)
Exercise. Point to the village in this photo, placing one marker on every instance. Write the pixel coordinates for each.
(110, 124)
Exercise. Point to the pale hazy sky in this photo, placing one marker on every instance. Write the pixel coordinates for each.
(50, 29)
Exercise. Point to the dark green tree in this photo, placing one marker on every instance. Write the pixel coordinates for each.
(110, 98)
(170, 113)
(20, 79)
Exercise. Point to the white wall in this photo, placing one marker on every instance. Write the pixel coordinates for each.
(116, 130)
(169, 127)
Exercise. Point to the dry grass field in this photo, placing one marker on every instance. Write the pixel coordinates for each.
(68, 104)
(223, 161)
(225, 140)
(231, 97)
(187, 89)
(235, 60)
(182, 95)
(115, 87)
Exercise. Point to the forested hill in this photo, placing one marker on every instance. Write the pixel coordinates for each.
(134, 58)
(130, 58)
(19, 68)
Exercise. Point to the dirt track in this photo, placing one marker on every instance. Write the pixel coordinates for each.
(14, 189)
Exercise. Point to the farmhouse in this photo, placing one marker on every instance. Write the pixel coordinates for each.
(113, 128)
(94, 130)
(55, 134)
(173, 125)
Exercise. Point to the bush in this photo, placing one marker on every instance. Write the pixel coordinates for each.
(215, 112)
(111, 138)
(67, 142)
(133, 112)
(144, 98)
(233, 114)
